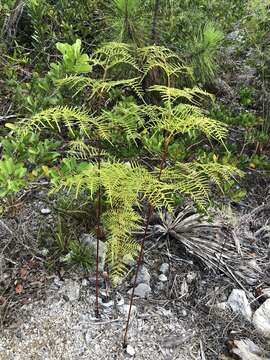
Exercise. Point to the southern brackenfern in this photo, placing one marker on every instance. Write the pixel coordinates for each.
(113, 54)
(160, 57)
(79, 149)
(98, 86)
(176, 117)
(122, 185)
(180, 113)
(196, 180)
(77, 122)
(121, 245)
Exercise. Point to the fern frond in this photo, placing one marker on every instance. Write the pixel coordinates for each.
(99, 86)
(80, 150)
(193, 95)
(157, 193)
(120, 223)
(219, 174)
(80, 83)
(134, 180)
(114, 53)
(162, 58)
(186, 122)
(63, 117)
(129, 117)
(119, 252)
(110, 176)
(195, 179)
(84, 177)
(186, 118)
(127, 177)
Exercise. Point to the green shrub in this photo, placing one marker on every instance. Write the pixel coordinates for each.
(12, 177)
(60, 20)
(31, 150)
(41, 92)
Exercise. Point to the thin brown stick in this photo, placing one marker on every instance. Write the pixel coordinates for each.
(98, 233)
(139, 262)
(150, 211)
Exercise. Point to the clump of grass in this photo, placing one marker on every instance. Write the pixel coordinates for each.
(81, 255)
(65, 247)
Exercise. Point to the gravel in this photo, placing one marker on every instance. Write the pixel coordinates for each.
(57, 328)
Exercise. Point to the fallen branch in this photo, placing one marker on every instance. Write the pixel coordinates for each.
(7, 117)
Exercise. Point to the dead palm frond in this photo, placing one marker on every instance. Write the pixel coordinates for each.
(201, 239)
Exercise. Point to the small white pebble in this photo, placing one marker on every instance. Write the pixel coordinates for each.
(164, 268)
(84, 282)
(45, 211)
(163, 278)
(130, 350)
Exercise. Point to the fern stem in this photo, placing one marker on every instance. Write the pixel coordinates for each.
(164, 156)
(98, 233)
(97, 281)
(138, 265)
(140, 258)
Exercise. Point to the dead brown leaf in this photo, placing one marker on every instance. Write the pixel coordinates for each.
(19, 289)
(24, 273)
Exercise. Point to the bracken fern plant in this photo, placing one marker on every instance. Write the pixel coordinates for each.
(121, 187)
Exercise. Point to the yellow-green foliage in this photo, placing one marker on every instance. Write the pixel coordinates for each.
(124, 185)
